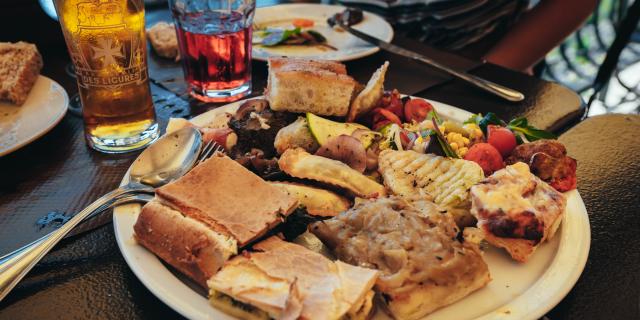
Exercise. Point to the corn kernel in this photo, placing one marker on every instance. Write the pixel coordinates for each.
(454, 145)
(462, 151)
(465, 141)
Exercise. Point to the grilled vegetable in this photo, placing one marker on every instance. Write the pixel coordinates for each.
(447, 180)
(345, 149)
(323, 130)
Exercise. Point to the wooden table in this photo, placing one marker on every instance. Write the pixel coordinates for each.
(86, 276)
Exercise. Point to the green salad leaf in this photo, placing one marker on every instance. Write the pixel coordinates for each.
(278, 36)
(531, 133)
(520, 127)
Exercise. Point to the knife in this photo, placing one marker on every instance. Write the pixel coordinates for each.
(494, 88)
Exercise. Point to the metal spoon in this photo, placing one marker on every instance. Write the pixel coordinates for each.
(167, 159)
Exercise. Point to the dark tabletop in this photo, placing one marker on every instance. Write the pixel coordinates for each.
(86, 276)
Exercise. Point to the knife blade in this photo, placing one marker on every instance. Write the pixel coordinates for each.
(494, 88)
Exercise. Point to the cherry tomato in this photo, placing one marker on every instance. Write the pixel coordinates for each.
(487, 156)
(302, 23)
(502, 139)
(416, 110)
(395, 105)
(388, 115)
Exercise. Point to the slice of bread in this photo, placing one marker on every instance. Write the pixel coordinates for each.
(184, 242)
(319, 87)
(20, 65)
(164, 40)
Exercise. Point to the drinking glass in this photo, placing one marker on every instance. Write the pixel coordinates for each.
(107, 44)
(215, 46)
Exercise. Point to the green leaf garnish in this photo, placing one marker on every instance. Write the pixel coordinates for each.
(475, 119)
(488, 119)
(444, 144)
(317, 35)
(521, 125)
(278, 36)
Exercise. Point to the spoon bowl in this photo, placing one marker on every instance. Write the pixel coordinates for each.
(169, 158)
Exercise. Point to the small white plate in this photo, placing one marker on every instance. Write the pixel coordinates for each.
(349, 47)
(43, 110)
(517, 291)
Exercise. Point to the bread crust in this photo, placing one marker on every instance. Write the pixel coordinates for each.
(319, 87)
(185, 243)
(229, 199)
(20, 65)
(277, 63)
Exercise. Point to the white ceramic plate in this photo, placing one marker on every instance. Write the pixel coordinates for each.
(517, 291)
(44, 108)
(349, 47)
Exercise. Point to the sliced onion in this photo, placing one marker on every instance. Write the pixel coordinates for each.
(346, 149)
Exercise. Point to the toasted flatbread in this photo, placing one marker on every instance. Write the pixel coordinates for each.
(268, 278)
(229, 198)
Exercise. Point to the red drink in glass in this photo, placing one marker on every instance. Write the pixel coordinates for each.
(215, 49)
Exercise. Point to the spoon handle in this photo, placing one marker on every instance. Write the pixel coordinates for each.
(14, 267)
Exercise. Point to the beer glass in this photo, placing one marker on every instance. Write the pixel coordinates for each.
(107, 45)
(214, 37)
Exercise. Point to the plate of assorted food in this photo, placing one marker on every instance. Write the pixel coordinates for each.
(30, 104)
(301, 30)
(335, 200)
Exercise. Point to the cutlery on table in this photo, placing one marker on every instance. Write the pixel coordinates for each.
(491, 87)
(131, 198)
(167, 159)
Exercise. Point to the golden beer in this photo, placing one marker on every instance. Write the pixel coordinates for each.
(107, 45)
